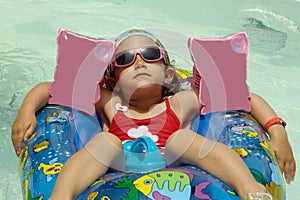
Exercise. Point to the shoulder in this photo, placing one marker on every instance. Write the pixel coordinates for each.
(104, 107)
(107, 102)
(186, 97)
(186, 105)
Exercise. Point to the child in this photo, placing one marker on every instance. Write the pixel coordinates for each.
(140, 76)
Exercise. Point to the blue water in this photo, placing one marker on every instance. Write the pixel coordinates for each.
(28, 51)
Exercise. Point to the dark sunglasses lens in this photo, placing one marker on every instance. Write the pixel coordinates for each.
(151, 53)
(124, 58)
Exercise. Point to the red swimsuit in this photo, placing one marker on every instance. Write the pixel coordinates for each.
(158, 128)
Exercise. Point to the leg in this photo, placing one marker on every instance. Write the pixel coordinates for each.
(213, 157)
(88, 164)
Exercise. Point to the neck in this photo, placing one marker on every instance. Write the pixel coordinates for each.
(144, 105)
(143, 98)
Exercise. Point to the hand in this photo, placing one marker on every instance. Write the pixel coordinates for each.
(22, 129)
(283, 152)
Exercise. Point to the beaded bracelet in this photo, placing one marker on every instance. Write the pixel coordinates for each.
(275, 120)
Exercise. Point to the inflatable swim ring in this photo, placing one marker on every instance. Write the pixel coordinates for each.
(61, 131)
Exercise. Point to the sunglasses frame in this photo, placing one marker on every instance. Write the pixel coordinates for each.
(139, 51)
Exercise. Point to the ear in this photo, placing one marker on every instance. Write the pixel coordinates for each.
(110, 82)
(169, 75)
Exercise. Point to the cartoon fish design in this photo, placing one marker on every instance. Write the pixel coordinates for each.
(41, 146)
(57, 118)
(266, 145)
(50, 117)
(92, 196)
(247, 130)
(23, 157)
(250, 133)
(32, 136)
(51, 169)
(105, 198)
(242, 152)
(168, 185)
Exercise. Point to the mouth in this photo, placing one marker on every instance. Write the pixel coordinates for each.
(141, 75)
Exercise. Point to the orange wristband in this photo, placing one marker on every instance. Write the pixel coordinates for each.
(275, 120)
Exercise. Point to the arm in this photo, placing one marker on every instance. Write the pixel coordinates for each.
(25, 121)
(263, 112)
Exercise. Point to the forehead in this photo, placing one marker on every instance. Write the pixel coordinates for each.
(134, 42)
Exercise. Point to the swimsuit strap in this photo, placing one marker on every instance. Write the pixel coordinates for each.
(168, 103)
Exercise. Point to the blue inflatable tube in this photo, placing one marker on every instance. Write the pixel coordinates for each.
(62, 131)
(243, 133)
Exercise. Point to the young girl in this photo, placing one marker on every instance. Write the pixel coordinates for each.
(141, 76)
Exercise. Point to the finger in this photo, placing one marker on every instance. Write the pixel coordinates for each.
(17, 135)
(290, 170)
(287, 178)
(29, 132)
(288, 174)
(17, 140)
(17, 148)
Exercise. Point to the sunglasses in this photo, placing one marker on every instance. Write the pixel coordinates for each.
(149, 54)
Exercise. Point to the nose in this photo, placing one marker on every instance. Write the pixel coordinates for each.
(139, 62)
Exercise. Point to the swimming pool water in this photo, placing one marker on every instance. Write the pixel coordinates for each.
(28, 51)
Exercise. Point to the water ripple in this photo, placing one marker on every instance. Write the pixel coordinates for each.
(272, 17)
(263, 36)
(20, 69)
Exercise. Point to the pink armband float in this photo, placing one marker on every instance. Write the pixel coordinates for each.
(275, 120)
(220, 70)
(80, 67)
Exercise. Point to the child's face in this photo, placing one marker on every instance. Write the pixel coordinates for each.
(140, 74)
